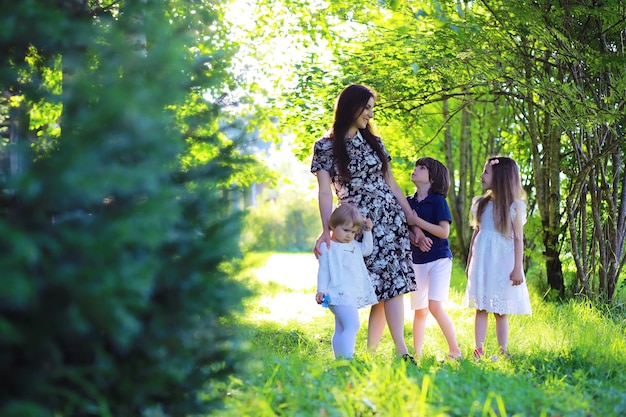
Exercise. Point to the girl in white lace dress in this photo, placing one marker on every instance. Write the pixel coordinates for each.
(496, 282)
(343, 280)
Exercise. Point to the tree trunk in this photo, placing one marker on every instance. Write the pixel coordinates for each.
(597, 195)
(545, 151)
(457, 198)
(18, 138)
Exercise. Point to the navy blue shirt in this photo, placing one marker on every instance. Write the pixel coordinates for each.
(434, 208)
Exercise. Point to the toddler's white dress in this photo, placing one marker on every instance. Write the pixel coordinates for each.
(343, 275)
(489, 286)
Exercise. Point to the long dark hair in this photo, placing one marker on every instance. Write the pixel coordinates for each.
(349, 105)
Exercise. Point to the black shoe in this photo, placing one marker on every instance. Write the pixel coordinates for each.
(408, 358)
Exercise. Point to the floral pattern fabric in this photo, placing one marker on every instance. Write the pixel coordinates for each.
(390, 264)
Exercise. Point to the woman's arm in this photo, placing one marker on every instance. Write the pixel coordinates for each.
(323, 277)
(411, 216)
(325, 202)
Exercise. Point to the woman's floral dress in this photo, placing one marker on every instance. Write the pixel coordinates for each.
(389, 264)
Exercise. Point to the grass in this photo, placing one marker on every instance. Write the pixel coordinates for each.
(568, 360)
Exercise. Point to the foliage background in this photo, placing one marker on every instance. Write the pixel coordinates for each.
(130, 130)
(460, 81)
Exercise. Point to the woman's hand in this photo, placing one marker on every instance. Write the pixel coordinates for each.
(421, 240)
(412, 237)
(412, 219)
(324, 238)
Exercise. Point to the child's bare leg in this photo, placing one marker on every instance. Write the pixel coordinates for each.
(480, 327)
(419, 328)
(502, 330)
(446, 325)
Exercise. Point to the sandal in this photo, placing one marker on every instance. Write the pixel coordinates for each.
(408, 358)
(504, 353)
(478, 353)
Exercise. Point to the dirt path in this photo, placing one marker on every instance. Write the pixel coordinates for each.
(298, 274)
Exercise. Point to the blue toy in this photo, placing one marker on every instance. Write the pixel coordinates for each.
(325, 301)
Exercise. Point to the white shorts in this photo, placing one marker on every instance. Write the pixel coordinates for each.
(433, 282)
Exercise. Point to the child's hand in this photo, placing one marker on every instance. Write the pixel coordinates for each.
(322, 299)
(517, 277)
(421, 240)
(368, 225)
(319, 297)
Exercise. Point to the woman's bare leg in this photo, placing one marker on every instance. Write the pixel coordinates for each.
(376, 326)
(394, 311)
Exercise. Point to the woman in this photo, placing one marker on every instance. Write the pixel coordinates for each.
(353, 160)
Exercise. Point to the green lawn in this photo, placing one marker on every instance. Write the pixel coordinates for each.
(568, 360)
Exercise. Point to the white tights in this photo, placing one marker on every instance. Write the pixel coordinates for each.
(346, 327)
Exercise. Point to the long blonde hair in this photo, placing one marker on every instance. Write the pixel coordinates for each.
(506, 187)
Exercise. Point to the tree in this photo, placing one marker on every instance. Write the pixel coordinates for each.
(116, 295)
(464, 80)
(570, 124)
(596, 204)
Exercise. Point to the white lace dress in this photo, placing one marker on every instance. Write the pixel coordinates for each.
(342, 273)
(489, 286)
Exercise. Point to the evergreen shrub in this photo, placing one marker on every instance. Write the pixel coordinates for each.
(114, 297)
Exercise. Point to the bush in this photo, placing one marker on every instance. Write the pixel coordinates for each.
(114, 299)
(283, 225)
